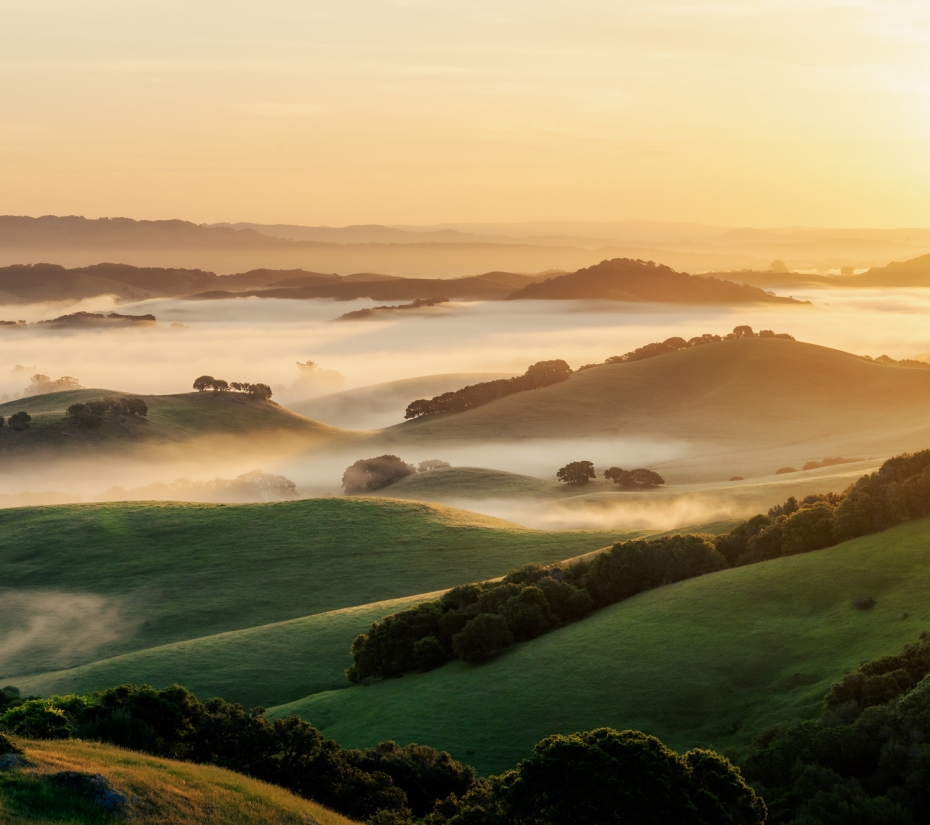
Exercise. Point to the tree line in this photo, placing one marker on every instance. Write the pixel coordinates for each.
(208, 382)
(585, 778)
(476, 622)
(579, 473)
(540, 374)
(90, 413)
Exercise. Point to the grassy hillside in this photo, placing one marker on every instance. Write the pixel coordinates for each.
(171, 420)
(112, 578)
(380, 405)
(162, 791)
(741, 406)
(709, 661)
(265, 665)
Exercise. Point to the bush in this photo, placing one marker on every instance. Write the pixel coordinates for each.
(784, 470)
(640, 479)
(20, 420)
(431, 464)
(482, 638)
(369, 474)
(576, 473)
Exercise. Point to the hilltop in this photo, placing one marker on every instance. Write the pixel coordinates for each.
(171, 420)
(155, 791)
(623, 279)
(763, 398)
(707, 662)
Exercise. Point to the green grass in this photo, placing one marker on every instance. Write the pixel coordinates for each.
(171, 420)
(707, 662)
(162, 791)
(176, 572)
(260, 666)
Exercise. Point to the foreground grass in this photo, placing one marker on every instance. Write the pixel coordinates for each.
(166, 573)
(707, 662)
(163, 792)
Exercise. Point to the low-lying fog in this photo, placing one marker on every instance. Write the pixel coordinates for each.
(261, 340)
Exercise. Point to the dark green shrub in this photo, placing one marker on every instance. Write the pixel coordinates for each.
(482, 638)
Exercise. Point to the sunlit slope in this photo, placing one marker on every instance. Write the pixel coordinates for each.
(111, 578)
(747, 393)
(480, 483)
(171, 420)
(264, 665)
(709, 661)
(161, 791)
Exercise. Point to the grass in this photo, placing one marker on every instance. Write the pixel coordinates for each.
(260, 666)
(162, 791)
(171, 420)
(174, 572)
(707, 662)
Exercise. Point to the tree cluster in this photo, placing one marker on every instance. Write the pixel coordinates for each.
(866, 760)
(369, 474)
(17, 421)
(576, 473)
(42, 385)
(288, 752)
(586, 778)
(208, 382)
(639, 479)
(476, 622)
(541, 374)
(674, 344)
(90, 414)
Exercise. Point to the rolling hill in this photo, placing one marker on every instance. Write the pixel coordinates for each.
(171, 420)
(706, 662)
(107, 580)
(742, 407)
(380, 405)
(623, 279)
(158, 791)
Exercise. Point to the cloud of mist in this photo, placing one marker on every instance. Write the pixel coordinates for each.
(51, 630)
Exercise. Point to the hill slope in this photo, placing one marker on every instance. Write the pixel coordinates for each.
(706, 662)
(161, 791)
(623, 279)
(171, 420)
(748, 394)
(380, 405)
(108, 579)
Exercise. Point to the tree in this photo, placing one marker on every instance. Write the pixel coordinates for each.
(2, 422)
(219, 385)
(431, 464)
(20, 420)
(743, 331)
(482, 638)
(204, 382)
(259, 391)
(84, 415)
(639, 479)
(576, 473)
(369, 474)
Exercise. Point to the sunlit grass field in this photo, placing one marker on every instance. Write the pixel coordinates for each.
(163, 791)
(706, 662)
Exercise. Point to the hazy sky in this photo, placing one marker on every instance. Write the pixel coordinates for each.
(762, 112)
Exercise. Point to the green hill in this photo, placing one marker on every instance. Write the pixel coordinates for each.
(159, 791)
(706, 662)
(172, 420)
(740, 407)
(109, 579)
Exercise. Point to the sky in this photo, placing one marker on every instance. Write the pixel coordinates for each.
(759, 112)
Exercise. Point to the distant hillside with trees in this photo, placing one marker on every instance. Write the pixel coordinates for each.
(624, 279)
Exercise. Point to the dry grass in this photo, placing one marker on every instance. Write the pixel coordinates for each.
(163, 792)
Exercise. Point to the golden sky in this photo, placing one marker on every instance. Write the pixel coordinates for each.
(760, 112)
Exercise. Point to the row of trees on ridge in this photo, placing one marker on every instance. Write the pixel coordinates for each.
(208, 382)
(90, 413)
(476, 622)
